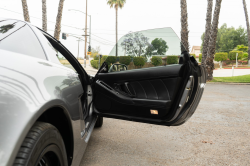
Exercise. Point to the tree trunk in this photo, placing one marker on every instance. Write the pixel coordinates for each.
(44, 10)
(58, 20)
(25, 11)
(116, 50)
(184, 25)
(248, 29)
(208, 30)
(212, 41)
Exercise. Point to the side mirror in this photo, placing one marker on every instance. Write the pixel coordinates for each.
(118, 67)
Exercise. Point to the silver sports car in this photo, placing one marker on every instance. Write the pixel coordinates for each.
(50, 105)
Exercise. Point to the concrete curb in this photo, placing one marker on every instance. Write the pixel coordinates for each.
(228, 83)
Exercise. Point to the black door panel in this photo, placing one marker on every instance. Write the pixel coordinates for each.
(172, 92)
(137, 92)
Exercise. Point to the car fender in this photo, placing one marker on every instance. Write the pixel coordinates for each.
(28, 88)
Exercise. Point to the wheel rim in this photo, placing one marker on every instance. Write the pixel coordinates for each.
(49, 157)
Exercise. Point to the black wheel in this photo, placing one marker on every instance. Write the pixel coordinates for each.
(99, 122)
(43, 146)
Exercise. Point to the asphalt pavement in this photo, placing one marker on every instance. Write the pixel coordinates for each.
(217, 134)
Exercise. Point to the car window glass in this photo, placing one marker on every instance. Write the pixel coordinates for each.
(18, 37)
(52, 52)
(144, 49)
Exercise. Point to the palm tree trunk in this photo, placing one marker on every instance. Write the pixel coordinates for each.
(184, 25)
(58, 20)
(116, 51)
(248, 29)
(208, 30)
(212, 41)
(25, 11)
(44, 9)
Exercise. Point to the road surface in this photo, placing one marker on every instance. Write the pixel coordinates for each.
(217, 134)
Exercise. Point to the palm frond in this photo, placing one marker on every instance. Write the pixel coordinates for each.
(116, 3)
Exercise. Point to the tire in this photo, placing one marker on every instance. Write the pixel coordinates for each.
(99, 122)
(43, 145)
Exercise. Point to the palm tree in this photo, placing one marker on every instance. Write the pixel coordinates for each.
(184, 25)
(116, 4)
(25, 11)
(44, 9)
(58, 20)
(212, 41)
(207, 32)
(248, 30)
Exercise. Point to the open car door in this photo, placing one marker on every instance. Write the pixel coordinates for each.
(164, 95)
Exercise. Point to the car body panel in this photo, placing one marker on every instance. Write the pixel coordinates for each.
(28, 87)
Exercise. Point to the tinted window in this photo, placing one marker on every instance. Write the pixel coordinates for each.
(53, 53)
(18, 37)
(148, 43)
(148, 48)
(50, 50)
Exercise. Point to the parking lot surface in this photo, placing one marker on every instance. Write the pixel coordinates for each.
(217, 134)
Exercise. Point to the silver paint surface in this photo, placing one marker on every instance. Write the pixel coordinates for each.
(28, 87)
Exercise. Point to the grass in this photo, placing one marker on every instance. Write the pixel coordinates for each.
(235, 79)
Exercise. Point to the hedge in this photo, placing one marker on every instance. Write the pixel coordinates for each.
(117, 59)
(245, 56)
(242, 48)
(109, 59)
(94, 63)
(232, 55)
(172, 60)
(193, 55)
(156, 60)
(145, 59)
(139, 61)
(221, 56)
(96, 57)
(125, 60)
(200, 57)
(104, 57)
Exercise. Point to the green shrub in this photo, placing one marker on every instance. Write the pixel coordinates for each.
(242, 48)
(94, 63)
(125, 60)
(221, 56)
(139, 61)
(245, 56)
(193, 55)
(145, 59)
(109, 59)
(96, 57)
(232, 55)
(200, 57)
(104, 57)
(156, 60)
(172, 59)
(117, 59)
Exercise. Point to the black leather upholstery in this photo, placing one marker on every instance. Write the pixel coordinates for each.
(158, 89)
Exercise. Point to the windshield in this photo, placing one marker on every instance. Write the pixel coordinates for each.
(155, 42)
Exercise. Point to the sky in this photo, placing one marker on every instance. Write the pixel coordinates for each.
(136, 15)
